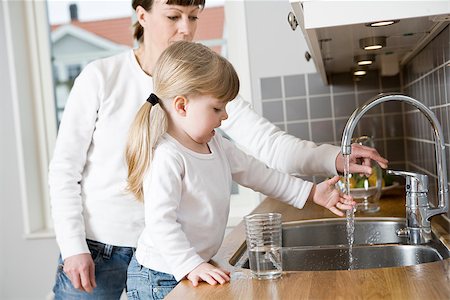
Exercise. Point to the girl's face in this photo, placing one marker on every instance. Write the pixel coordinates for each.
(165, 24)
(203, 115)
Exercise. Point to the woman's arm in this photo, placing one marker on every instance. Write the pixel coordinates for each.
(68, 162)
(287, 153)
(274, 147)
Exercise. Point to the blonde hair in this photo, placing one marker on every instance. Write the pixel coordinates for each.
(183, 69)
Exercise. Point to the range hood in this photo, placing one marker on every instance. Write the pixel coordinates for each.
(334, 29)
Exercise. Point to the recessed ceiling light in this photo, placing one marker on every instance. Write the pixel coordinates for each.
(360, 71)
(372, 43)
(382, 23)
(364, 60)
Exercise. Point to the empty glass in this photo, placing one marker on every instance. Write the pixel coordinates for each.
(263, 235)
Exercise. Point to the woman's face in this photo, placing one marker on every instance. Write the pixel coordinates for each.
(165, 24)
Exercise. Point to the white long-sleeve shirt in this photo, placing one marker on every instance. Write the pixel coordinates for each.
(88, 172)
(187, 199)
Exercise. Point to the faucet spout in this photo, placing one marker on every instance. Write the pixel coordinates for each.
(441, 165)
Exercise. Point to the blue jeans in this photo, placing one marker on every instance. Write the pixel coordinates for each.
(111, 265)
(144, 283)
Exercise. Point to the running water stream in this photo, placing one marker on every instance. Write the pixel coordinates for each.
(350, 214)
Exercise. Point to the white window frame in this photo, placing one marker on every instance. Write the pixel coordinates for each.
(30, 73)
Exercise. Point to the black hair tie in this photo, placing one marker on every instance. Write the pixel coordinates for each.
(153, 99)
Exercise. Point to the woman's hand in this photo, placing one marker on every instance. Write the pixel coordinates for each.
(81, 271)
(326, 195)
(209, 273)
(360, 160)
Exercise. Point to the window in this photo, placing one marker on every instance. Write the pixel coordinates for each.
(35, 71)
(73, 71)
(76, 41)
(30, 75)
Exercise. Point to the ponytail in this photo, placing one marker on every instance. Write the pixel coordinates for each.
(148, 126)
(138, 32)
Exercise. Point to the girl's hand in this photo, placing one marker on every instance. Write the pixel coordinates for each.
(326, 195)
(209, 273)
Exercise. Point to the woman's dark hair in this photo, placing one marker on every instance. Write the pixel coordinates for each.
(148, 4)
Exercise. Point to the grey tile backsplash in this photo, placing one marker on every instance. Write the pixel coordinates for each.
(316, 86)
(300, 130)
(273, 111)
(296, 109)
(271, 88)
(427, 78)
(320, 107)
(308, 109)
(322, 131)
(294, 86)
(344, 104)
(311, 110)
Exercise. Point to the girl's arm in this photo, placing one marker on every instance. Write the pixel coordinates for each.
(250, 172)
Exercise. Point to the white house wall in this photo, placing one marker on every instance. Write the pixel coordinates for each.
(71, 44)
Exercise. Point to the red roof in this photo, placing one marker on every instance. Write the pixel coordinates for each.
(117, 30)
(210, 24)
(120, 30)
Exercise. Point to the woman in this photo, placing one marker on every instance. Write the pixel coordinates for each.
(96, 222)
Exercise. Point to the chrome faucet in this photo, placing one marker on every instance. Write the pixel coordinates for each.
(418, 209)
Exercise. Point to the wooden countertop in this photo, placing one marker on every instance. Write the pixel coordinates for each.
(424, 281)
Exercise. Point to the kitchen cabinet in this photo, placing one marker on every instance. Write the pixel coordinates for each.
(333, 30)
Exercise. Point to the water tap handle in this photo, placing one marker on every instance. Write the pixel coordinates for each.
(415, 182)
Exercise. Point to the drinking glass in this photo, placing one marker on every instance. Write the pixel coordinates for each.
(367, 191)
(263, 236)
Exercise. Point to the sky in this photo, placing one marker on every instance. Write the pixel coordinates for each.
(88, 10)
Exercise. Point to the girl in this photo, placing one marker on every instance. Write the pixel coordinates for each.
(183, 170)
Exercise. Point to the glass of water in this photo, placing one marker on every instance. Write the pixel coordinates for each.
(263, 236)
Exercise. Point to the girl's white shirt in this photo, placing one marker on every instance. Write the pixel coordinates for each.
(187, 200)
(88, 171)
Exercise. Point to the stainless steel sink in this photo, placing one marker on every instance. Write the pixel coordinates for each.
(334, 232)
(320, 245)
